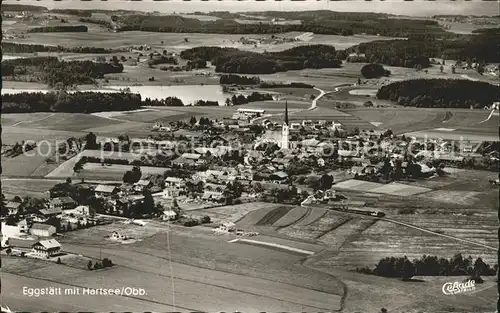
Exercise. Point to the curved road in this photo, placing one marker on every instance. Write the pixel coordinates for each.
(313, 103)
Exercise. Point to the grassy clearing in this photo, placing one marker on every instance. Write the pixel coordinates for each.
(114, 172)
(27, 188)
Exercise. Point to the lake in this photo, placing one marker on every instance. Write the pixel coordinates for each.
(187, 93)
(11, 57)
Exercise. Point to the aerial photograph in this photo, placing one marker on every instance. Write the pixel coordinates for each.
(243, 156)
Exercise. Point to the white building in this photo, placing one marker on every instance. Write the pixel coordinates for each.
(46, 248)
(42, 230)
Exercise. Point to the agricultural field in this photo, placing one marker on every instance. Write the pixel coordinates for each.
(239, 212)
(421, 121)
(113, 172)
(317, 228)
(27, 187)
(384, 239)
(201, 260)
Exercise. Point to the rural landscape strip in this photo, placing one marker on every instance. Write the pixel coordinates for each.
(299, 160)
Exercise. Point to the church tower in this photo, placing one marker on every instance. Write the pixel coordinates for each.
(285, 130)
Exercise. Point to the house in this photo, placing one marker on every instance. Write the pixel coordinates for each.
(23, 226)
(63, 203)
(191, 135)
(12, 207)
(348, 153)
(280, 162)
(24, 244)
(79, 210)
(212, 195)
(279, 177)
(10, 230)
(181, 161)
(104, 190)
(50, 212)
(141, 185)
(169, 215)
(357, 170)
(225, 227)
(42, 230)
(46, 248)
(295, 126)
(467, 148)
(175, 182)
(215, 187)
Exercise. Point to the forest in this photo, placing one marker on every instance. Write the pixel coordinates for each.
(320, 22)
(77, 102)
(11, 47)
(238, 80)
(22, 7)
(59, 29)
(482, 47)
(230, 60)
(52, 71)
(440, 93)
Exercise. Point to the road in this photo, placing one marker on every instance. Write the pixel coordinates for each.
(313, 106)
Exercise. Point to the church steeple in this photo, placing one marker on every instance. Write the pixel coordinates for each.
(285, 129)
(286, 113)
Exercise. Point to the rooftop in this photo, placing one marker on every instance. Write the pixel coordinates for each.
(105, 188)
(41, 226)
(49, 244)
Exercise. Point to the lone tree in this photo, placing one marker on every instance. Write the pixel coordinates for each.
(89, 265)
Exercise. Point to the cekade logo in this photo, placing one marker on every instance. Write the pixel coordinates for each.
(456, 287)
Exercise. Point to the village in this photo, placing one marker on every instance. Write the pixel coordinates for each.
(250, 157)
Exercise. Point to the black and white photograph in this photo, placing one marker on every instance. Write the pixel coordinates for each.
(250, 156)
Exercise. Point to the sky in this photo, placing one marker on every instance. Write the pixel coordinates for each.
(399, 7)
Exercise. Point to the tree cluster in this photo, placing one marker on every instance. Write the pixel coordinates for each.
(133, 176)
(77, 102)
(59, 29)
(104, 23)
(230, 60)
(403, 268)
(283, 85)
(238, 80)
(168, 101)
(374, 70)
(11, 47)
(440, 93)
(162, 60)
(255, 96)
(83, 13)
(53, 71)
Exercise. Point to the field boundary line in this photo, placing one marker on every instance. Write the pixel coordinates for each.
(438, 234)
(275, 245)
(37, 120)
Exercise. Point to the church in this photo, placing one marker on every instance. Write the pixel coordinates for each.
(285, 131)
